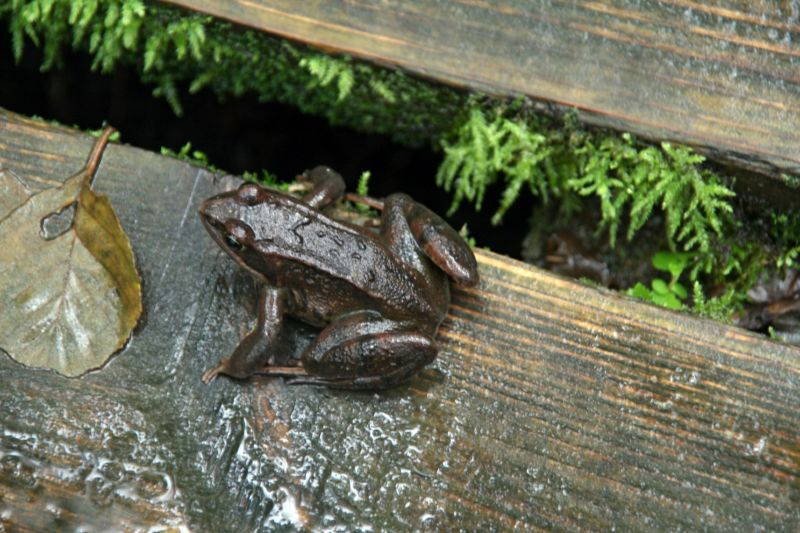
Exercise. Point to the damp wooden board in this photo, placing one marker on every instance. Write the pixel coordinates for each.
(552, 405)
(723, 76)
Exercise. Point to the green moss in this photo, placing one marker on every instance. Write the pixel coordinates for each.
(327, 69)
(628, 180)
(631, 184)
(791, 180)
(485, 150)
(721, 308)
(194, 157)
(784, 232)
(200, 159)
(362, 189)
(172, 48)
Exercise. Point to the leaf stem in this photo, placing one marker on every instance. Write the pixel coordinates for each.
(97, 153)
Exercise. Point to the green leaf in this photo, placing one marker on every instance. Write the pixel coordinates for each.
(640, 291)
(679, 290)
(672, 262)
(660, 286)
(667, 300)
(345, 84)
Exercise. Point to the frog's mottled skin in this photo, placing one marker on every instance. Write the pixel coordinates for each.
(380, 296)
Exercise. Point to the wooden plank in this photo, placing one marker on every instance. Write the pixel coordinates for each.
(723, 76)
(552, 405)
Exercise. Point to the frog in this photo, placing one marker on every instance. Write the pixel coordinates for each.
(377, 292)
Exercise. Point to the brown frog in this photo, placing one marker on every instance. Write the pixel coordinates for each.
(378, 295)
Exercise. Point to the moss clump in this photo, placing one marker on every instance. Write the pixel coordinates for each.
(171, 47)
(484, 150)
(628, 180)
(628, 183)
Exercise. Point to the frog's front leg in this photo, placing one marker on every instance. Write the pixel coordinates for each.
(361, 350)
(265, 339)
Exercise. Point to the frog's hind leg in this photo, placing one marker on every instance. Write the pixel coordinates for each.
(410, 224)
(362, 350)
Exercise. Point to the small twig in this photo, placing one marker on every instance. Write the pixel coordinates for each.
(97, 153)
(366, 200)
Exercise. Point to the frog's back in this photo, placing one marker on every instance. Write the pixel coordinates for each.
(332, 267)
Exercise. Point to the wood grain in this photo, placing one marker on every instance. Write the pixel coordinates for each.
(723, 76)
(552, 405)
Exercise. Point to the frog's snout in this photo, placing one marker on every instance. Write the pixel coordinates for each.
(217, 210)
(213, 214)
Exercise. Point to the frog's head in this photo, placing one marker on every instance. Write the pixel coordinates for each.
(230, 218)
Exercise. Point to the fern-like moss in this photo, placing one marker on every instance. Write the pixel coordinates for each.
(522, 155)
(721, 308)
(327, 69)
(628, 180)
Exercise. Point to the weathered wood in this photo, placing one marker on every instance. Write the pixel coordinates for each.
(552, 405)
(723, 76)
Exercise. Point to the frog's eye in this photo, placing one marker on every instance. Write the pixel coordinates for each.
(237, 234)
(249, 193)
(232, 243)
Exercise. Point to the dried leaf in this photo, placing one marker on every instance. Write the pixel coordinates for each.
(69, 290)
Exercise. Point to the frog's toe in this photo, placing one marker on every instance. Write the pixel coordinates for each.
(212, 373)
(285, 371)
(344, 383)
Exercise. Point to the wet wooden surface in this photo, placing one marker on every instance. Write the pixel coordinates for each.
(720, 75)
(552, 405)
